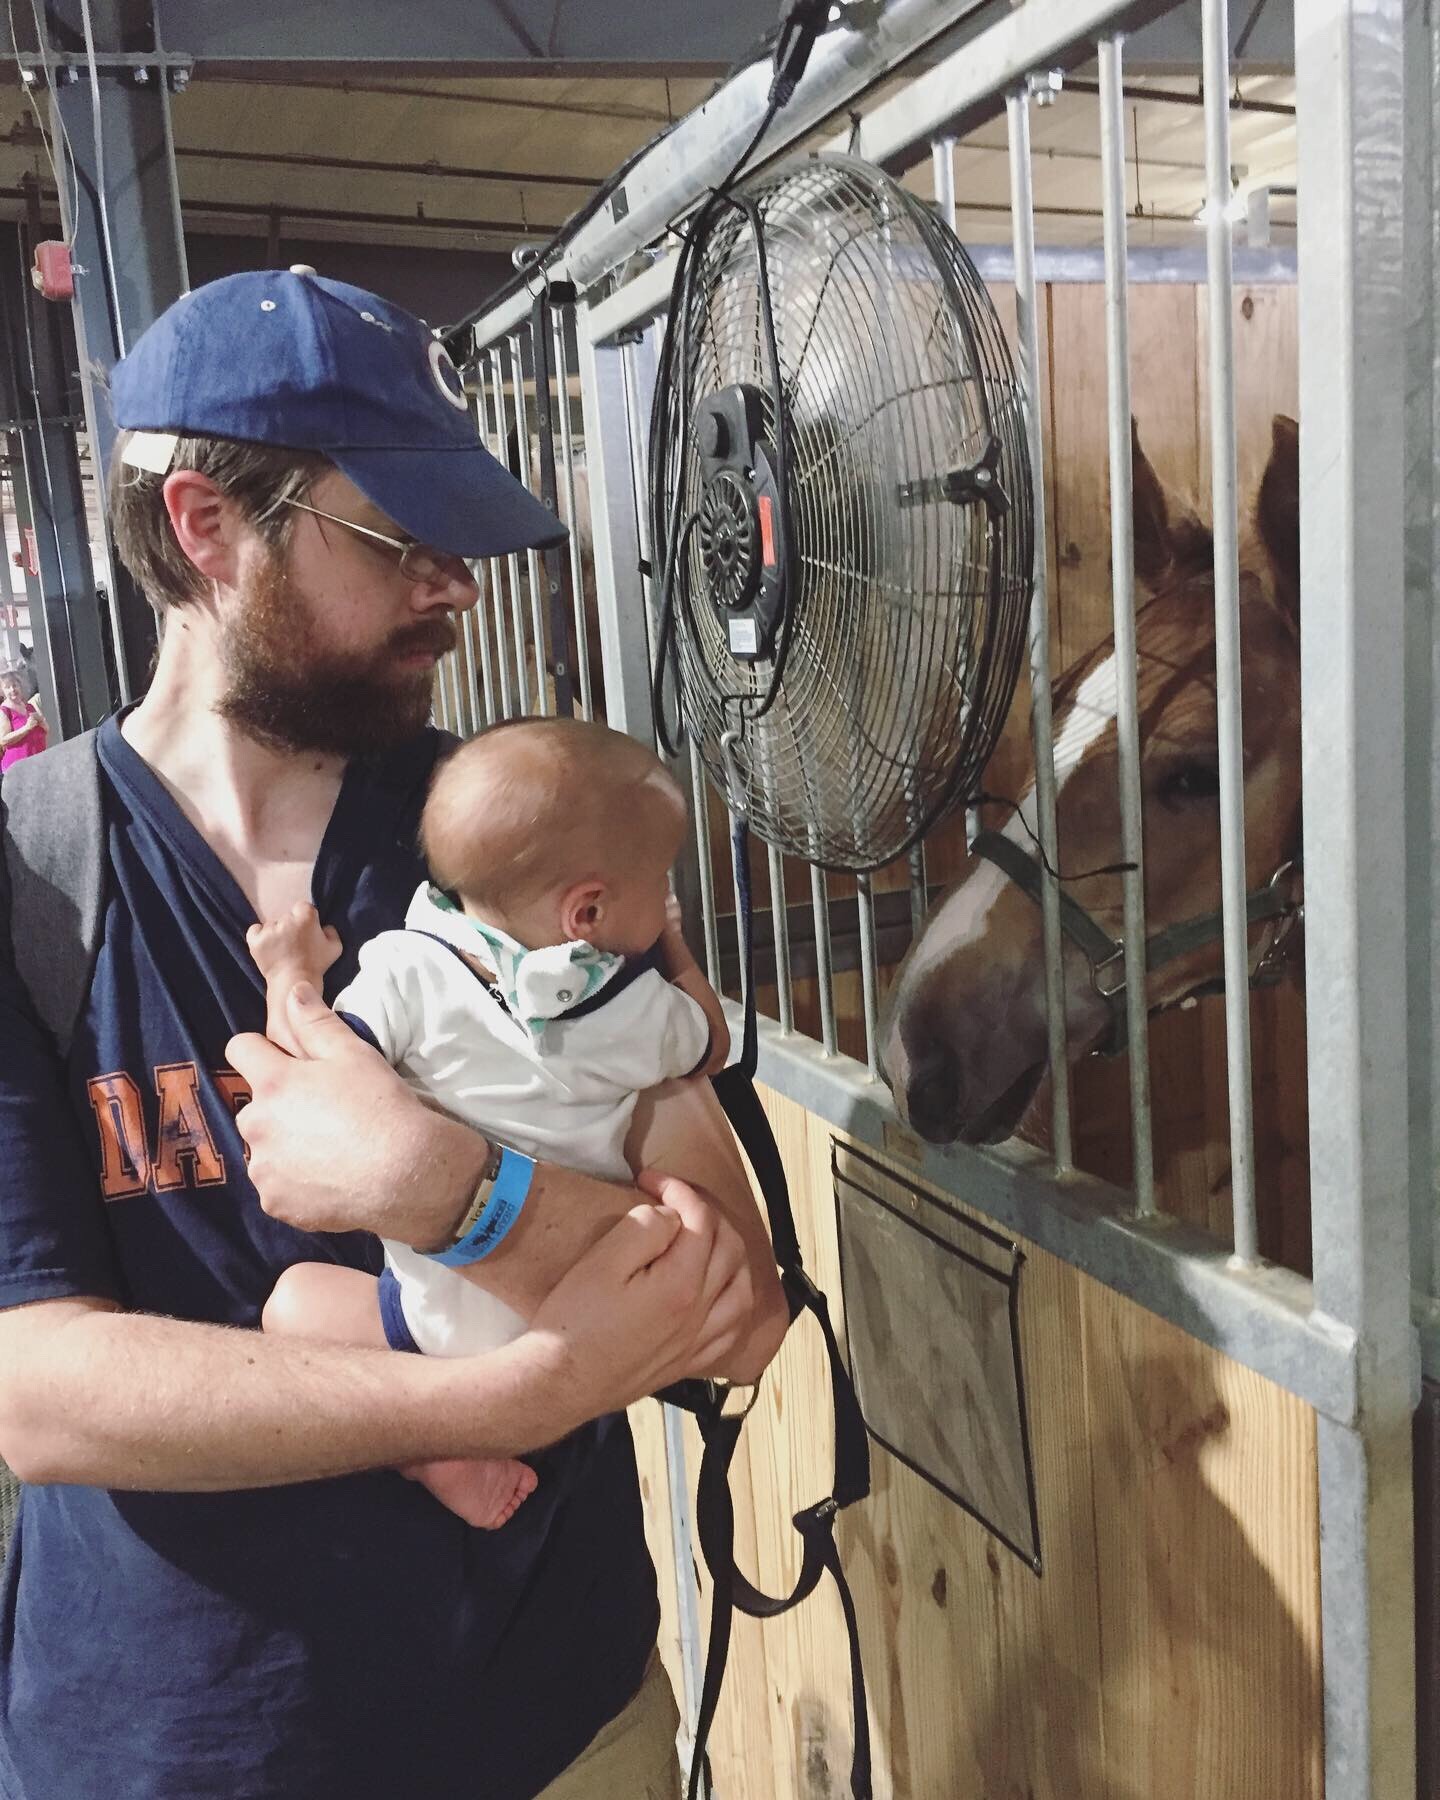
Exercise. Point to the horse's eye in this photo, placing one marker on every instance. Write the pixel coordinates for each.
(1192, 781)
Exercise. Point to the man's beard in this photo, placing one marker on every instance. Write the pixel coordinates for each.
(283, 691)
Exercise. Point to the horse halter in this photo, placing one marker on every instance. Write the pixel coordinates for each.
(1273, 904)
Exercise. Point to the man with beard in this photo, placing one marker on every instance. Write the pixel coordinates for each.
(219, 1588)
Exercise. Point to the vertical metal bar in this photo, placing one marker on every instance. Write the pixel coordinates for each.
(497, 597)
(739, 920)
(824, 966)
(920, 886)
(478, 629)
(1422, 659)
(532, 560)
(1042, 730)
(1215, 25)
(701, 814)
(869, 989)
(572, 517)
(682, 1539)
(1349, 69)
(780, 934)
(942, 159)
(1122, 560)
(512, 562)
(615, 526)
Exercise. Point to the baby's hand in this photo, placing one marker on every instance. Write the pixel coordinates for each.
(294, 947)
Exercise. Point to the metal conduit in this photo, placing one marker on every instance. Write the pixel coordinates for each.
(532, 559)
(869, 986)
(824, 967)
(780, 933)
(512, 562)
(1042, 729)
(1122, 559)
(497, 605)
(577, 571)
(1223, 475)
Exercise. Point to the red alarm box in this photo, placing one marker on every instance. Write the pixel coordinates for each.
(54, 273)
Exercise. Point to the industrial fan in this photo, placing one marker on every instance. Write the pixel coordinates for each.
(842, 497)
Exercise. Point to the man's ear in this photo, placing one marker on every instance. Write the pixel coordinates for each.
(205, 524)
(582, 910)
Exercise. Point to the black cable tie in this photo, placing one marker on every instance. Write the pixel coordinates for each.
(646, 567)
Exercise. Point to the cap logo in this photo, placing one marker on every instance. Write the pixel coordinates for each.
(447, 377)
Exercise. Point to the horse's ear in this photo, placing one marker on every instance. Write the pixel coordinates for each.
(1277, 509)
(1153, 550)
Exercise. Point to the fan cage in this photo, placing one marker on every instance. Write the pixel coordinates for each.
(909, 610)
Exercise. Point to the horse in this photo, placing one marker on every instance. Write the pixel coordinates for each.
(963, 1041)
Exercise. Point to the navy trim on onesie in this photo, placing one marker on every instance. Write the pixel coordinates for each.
(360, 1028)
(392, 1314)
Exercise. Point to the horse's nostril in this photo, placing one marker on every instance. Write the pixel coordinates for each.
(932, 1093)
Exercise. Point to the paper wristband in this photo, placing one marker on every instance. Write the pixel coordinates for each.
(502, 1209)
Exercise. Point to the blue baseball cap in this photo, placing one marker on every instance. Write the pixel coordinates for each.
(289, 358)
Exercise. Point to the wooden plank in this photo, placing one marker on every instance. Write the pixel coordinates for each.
(1170, 1646)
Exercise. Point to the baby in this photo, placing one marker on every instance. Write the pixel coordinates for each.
(540, 983)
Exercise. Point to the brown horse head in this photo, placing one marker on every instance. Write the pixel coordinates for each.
(964, 1042)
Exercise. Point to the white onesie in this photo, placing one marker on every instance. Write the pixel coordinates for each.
(559, 1088)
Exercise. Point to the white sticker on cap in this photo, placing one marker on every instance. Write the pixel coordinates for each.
(151, 451)
(447, 376)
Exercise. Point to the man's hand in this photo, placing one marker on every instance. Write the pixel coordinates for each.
(665, 1294)
(339, 1143)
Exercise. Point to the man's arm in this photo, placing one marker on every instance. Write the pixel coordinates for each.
(93, 1395)
(338, 1142)
(680, 1129)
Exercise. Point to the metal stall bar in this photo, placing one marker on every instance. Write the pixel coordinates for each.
(1422, 666)
(616, 507)
(780, 931)
(1042, 730)
(1224, 479)
(497, 597)
(1122, 564)
(532, 559)
(572, 517)
(478, 633)
(512, 561)
(869, 987)
(824, 963)
(1350, 88)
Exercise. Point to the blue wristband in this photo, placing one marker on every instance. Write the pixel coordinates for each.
(508, 1194)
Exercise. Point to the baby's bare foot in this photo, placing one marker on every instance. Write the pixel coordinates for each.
(484, 1494)
(295, 945)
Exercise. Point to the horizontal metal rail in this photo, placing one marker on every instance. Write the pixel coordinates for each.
(1264, 1318)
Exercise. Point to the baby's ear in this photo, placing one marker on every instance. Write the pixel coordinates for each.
(582, 909)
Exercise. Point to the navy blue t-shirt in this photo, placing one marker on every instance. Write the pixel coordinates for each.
(333, 1640)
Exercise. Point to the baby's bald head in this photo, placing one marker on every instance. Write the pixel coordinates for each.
(537, 806)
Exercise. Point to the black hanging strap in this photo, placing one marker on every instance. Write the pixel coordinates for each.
(720, 1422)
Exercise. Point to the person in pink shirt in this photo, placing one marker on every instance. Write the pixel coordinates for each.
(22, 724)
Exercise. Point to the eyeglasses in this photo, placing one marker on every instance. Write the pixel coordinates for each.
(418, 562)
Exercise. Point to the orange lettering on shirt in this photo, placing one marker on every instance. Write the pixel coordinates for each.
(124, 1159)
(185, 1153)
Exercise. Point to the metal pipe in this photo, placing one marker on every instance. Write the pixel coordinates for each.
(824, 967)
(1122, 562)
(1354, 156)
(942, 154)
(477, 660)
(1224, 481)
(920, 886)
(869, 989)
(497, 600)
(1042, 730)
(532, 559)
(780, 937)
(512, 561)
(700, 812)
(572, 518)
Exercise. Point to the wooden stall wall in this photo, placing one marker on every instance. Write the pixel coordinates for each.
(1170, 1648)
(1168, 1651)
(1169, 352)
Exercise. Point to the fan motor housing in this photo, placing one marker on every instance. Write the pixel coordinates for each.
(741, 523)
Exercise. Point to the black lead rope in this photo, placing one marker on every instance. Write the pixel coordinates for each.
(720, 1432)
